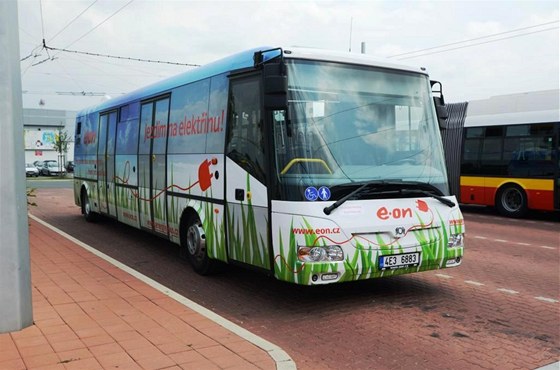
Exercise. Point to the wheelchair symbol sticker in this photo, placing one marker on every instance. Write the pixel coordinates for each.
(311, 193)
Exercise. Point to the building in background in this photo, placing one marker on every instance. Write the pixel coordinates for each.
(40, 127)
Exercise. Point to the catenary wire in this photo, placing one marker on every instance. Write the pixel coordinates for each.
(99, 24)
(73, 20)
(473, 39)
(121, 57)
(479, 43)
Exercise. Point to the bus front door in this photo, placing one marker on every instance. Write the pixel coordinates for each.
(246, 190)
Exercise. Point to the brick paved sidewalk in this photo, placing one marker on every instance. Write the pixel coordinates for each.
(89, 314)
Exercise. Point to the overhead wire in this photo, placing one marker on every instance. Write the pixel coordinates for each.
(72, 21)
(42, 22)
(478, 43)
(58, 33)
(65, 49)
(99, 24)
(475, 39)
(121, 57)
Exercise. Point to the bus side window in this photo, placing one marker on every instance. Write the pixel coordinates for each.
(245, 141)
(78, 137)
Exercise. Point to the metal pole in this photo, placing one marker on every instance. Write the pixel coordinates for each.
(15, 276)
(350, 41)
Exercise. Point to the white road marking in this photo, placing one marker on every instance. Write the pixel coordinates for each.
(516, 243)
(444, 276)
(545, 299)
(509, 291)
(473, 282)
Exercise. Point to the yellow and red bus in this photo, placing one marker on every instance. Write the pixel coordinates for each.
(510, 153)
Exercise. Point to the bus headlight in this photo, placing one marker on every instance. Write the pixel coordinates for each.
(328, 253)
(456, 240)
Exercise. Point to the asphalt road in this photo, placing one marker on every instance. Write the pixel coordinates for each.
(498, 310)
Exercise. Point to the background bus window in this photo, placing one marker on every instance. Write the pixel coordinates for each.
(471, 153)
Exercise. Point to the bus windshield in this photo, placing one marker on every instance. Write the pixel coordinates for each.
(353, 124)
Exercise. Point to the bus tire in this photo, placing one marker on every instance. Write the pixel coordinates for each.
(511, 201)
(193, 245)
(89, 215)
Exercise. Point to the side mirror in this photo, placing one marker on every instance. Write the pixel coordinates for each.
(439, 103)
(275, 86)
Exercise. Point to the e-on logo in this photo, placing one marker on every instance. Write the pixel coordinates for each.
(384, 214)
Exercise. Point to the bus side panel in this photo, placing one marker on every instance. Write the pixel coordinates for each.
(473, 194)
(541, 199)
(483, 191)
(247, 217)
(191, 179)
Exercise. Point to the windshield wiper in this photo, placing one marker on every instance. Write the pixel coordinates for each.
(353, 193)
(409, 188)
(445, 201)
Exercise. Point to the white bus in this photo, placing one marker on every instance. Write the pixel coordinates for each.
(315, 167)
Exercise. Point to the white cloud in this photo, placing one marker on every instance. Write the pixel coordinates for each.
(202, 31)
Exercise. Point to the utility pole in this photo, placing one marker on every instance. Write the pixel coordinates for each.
(15, 276)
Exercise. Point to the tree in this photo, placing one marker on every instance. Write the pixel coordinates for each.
(61, 139)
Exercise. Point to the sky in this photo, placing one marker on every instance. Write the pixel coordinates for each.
(477, 49)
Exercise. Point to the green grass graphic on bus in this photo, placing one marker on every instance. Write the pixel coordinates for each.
(247, 244)
(431, 241)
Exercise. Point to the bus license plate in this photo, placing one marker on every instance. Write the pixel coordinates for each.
(395, 261)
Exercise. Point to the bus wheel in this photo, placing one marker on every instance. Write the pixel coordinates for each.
(511, 201)
(89, 215)
(193, 244)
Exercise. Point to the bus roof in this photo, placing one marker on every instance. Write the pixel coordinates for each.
(523, 108)
(239, 61)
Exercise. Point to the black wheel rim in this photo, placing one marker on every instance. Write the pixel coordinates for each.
(512, 200)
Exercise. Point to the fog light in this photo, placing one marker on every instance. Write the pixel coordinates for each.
(455, 240)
